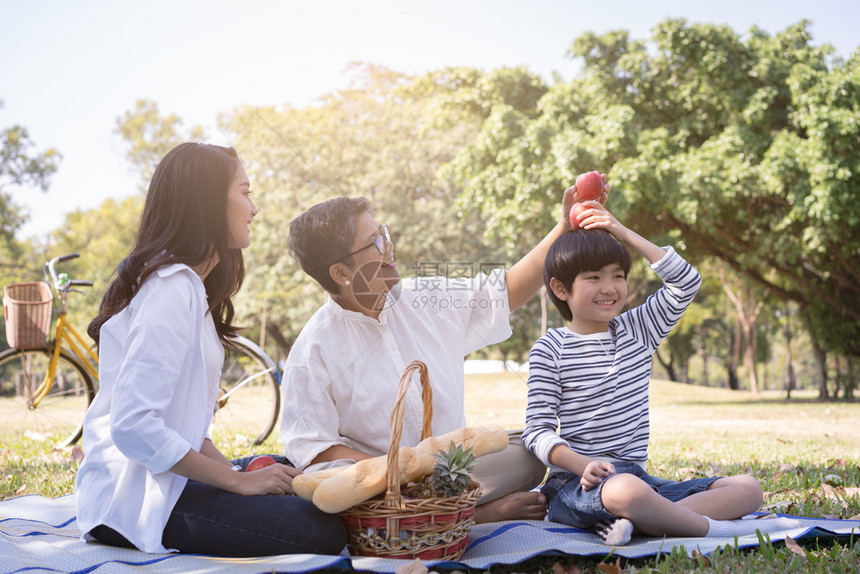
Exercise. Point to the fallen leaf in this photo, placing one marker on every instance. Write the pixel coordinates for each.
(855, 517)
(611, 568)
(689, 471)
(831, 516)
(559, 568)
(794, 546)
(701, 559)
(829, 491)
(414, 567)
(780, 504)
(786, 467)
(852, 491)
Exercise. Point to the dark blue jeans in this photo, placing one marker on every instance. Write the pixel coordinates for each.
(571, 504)
(208, 520)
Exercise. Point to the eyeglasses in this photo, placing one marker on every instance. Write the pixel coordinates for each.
(379, 242)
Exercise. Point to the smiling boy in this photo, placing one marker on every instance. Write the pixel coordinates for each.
(590, 381)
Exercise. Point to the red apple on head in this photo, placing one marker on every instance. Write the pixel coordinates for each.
(589, 186)
(259, 462)
(575, 211)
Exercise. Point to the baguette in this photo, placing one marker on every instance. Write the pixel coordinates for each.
(366, 478)
(305, 484)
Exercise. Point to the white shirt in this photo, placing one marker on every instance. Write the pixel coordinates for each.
(159, 364)
(341, 376)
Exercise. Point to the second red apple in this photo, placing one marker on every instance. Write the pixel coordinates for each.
(259, 462)
(574, 214)
(589, 186)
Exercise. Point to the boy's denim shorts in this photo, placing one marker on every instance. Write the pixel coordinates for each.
(570, 504)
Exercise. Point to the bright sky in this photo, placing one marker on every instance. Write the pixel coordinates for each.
(70, 69)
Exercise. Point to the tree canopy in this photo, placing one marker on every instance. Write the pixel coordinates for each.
(745, 150)
(741, 151)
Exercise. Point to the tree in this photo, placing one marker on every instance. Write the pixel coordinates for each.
(378, 139)
(758, 160)
(149, 136)
(103, 236)
(20, 166)
(747, 305)
(741, 150)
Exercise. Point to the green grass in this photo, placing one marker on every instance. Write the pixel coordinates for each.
(805, 453)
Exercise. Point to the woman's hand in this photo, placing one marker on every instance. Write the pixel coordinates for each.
(273, 479)
(595, 473)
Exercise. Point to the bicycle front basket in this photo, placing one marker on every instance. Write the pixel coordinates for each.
(27, 310)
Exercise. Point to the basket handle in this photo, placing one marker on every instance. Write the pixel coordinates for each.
(392, 493)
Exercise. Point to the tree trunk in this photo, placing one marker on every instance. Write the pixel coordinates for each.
(749, 359)
(733, 359)
(850, 380)
(670, 368)
(821, 370)
(703, 348)
(284, 344)
(790, 378)
(747, 309)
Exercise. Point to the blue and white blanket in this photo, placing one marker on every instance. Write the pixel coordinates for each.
(39, 534)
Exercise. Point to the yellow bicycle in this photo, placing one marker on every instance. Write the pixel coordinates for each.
(46, 384)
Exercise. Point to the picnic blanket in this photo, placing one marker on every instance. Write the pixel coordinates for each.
(39, 534)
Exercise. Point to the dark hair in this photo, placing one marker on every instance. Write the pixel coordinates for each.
(323, 234)
(184, 220)
(581, 250)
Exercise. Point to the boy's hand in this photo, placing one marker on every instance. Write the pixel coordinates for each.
(595, 472)
(598, 217)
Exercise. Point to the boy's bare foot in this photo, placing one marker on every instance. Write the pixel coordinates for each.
(616, 532)
(513, 506)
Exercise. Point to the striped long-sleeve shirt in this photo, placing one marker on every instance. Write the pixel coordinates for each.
(590, 392)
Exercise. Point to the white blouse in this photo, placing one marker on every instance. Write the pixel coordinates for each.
(159, 365)
(341, 376)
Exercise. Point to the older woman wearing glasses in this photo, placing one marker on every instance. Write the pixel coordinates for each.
(340, 379)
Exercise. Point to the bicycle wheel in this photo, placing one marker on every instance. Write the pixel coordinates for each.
(59, 415)
(249, 399)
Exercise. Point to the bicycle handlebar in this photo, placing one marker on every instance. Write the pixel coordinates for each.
(65, 283)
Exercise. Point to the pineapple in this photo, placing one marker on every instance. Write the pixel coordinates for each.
(450, 475)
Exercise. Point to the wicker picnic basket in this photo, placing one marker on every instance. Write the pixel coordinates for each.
(392, 525)
(27, 310)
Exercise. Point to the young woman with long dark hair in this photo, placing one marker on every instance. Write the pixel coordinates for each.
(151, 478)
